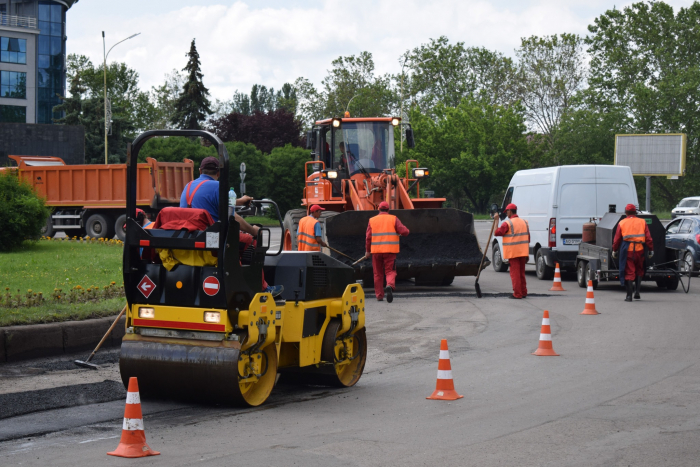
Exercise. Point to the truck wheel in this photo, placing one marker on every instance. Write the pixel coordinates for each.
(48, 230)
(671, 282)
(99, 226)
(543, 271)
(590, 276)
(581, 273)
(290, 224)
(497, 260)
(119, 227)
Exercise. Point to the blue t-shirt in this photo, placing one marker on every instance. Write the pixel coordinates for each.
(206, 197)
(317, 229)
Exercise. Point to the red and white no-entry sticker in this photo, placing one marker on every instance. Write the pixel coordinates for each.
(146, 286)
(211, 286)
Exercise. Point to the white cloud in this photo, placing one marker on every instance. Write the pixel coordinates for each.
(245, 42)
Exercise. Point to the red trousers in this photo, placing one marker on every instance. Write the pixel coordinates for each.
(384, 264)
(635, 265)
(517, 276)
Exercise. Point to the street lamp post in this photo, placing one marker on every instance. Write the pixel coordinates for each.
(104, 65)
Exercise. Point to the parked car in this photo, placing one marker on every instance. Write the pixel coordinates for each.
(556, 202)
(683, 235)
(687, 207)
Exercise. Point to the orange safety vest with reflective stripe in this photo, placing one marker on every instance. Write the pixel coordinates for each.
(516, 243)
(633, 230)
(385, 239)
(306, 240)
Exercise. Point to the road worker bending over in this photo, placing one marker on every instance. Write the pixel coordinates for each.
(309, 233)
(516, 248)
(631, 237)
(382, 242)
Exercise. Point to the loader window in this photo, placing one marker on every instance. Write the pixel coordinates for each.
(368, 146)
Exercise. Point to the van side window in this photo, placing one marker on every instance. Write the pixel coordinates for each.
(509, 197)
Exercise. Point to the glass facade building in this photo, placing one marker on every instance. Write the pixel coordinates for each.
(51, 58)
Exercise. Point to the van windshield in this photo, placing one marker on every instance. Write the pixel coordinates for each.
(689, 203)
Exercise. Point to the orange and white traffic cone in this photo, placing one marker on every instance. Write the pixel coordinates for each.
(556, 286)
(589, 308)
(445, 387)
(545, 348)
(133, 442)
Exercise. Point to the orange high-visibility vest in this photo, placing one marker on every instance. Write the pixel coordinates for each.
(633, 230)
(385, 239)
(516, 242)
(306, 240)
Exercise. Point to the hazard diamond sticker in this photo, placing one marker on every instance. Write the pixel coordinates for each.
(146, 286)
(211, 286)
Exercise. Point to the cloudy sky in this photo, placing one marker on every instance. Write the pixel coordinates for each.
(272, 42)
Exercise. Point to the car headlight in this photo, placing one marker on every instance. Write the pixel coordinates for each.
(147, 312)
(212, 317)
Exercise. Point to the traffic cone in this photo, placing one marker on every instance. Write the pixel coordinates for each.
(556, 286)
(445, 388)
(133, 442)
(545, 348)
(589, 309)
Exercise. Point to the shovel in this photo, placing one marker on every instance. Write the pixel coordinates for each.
(86, 363)
(477, 287)
(343, 254)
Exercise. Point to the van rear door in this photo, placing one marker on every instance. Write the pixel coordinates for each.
(576, 204)
(615, 185)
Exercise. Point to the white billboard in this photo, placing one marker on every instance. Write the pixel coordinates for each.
(652, 155)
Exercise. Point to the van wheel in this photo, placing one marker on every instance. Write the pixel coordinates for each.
(543, 271)
(581, 273)
(497, 260)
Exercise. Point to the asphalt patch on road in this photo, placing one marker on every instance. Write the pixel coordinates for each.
(466, 295)
(60, 363)
(21, 403)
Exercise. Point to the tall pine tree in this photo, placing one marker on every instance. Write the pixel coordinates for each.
(193, 106)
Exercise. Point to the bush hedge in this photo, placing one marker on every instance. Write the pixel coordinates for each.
(22, 213)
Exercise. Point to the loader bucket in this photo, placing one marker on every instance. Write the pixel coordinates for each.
(442, 244)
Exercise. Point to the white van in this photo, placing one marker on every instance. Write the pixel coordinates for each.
(556, 202)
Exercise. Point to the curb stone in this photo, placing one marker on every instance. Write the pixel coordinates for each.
(45, 340)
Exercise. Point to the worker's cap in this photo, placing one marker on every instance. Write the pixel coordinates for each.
(210, 163)
(140, 214)
(383, 206)
(630, 208)
(511, 207)
(315, 208)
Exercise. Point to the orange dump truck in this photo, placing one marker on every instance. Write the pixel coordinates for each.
(91, 199)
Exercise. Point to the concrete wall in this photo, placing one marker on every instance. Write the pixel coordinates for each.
(30, 69)
(21, 139)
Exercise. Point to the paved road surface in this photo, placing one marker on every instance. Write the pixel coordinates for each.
(623, 392)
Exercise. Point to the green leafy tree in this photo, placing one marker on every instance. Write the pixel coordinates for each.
(472, 150)
(258, 178)
(192, 107)
(176, 149)
(287, 170)
(645, 65)
(22, 213)
(551, 73)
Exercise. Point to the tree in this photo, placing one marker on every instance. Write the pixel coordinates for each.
(264, 130)
(176, 149)
(551, 72)
(22, 213)
(259, 178)
(287, 169)
(645, 65)
(192, 106)
(440, 72)
(472, 150)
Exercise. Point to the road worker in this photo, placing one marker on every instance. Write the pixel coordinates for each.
(516, 248)
(382, 243)
(631, 237)
(309, 233)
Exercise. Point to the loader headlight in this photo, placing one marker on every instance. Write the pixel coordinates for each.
(420, 172)
(336, 123)
(395, 121)
(147, 312)
(331, 174)
(212, 317)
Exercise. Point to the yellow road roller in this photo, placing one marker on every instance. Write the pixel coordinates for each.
(198, 325)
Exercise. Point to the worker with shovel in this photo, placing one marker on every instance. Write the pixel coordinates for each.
(516, 248)
(309, 234)
(382, 242)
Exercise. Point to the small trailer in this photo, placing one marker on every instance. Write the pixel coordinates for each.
(594, 261)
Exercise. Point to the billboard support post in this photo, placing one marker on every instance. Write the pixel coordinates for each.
(648, 190)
